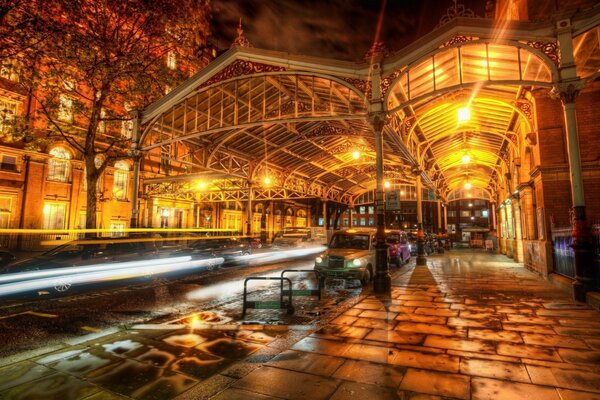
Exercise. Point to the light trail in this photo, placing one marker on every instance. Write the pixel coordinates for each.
(105, 275)
(280, 255)
(19, 276)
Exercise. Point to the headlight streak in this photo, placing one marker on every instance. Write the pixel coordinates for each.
(279, 255)
(19, 276)
(109, 274)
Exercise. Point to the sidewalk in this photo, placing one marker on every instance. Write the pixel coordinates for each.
(469, 326)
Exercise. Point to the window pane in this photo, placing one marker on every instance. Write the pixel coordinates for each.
(54, 216)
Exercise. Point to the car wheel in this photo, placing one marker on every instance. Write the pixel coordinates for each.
(399, 261)
(62, 286)
(367, 276)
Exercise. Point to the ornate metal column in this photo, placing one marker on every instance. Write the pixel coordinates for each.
(518, 237)
(249, 211)
(440, 228)
(446, 237)
(494, 221)
(382, 282)
(421, 258)
(526, 195)
(568, 89)
(136, 156)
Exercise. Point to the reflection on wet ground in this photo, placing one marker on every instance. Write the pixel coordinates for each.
(162, 361)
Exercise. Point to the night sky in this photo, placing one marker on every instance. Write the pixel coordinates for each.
(341, 29)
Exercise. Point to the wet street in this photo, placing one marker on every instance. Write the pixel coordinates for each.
(468, 326)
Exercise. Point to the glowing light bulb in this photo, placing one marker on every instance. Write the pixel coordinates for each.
(356, 155)
(386, 184)
(201, 185)
(464, 114)
(466, 159)
(468, 185)
(267, 180)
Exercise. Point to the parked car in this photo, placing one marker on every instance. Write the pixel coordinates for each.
(399, 248)
(83, 252)
(227, 248)
(349, 255)
(253, 242)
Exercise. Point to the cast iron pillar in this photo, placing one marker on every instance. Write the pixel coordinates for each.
(249, 211)
(421, 258)
(136, 155)
(382, 282)
(567, 89)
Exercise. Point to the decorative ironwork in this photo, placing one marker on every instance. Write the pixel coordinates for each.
(326, 129)
(458, 39)
(241, 40)
(240, 68)
(525, 107)
(361, 84)
(456, 11)
(387, 81)
(550, 49)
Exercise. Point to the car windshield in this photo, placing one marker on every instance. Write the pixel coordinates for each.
(392, 239)
(349, 241)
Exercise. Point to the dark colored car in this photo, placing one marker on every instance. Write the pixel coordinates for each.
(399, 248)
(227, 248)
(84, 252)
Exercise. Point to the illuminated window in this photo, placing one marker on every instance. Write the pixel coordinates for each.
(117, 228)
(371, 210)
(363, 222)
(8, 111)
(484, 213)
(9, 163)
(362, 210)
(9, 70)
(54, 215)
(120, 180)
(6, 203)
(58, 166)
(466, 213)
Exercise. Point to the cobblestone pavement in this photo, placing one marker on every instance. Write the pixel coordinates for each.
(467, 326)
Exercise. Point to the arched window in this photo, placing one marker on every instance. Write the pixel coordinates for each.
(121, 179)
(59, 165)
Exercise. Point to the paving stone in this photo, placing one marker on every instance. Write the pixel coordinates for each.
(354, 390)
(378, 314)
(344, 320)
(474, 323)
(470, 307)
(437, 383)
(483, 356)
(567, 394)
(489, 334)
(400, 309)
(372, 353)
(569, 379)
(525, 319)
(580, 357)
(569, 306)
(287, 384)
(512, 310)
(438, 362)
(574, 322)
(494, 369)
(22, 372)
(341, 331)
(459, 344)
(528, 328)
(413, 297)
(382, 335)
(478, 315)
(426, 304)
(554, 340)
(104, 395)
(371, 373)
(56, 386)
(374, 323)
(310, 363)
(207, 388)
(492, 389)
(421, 318)
(580, 331)
(422, 349)
(367, 305)
(562, 365)
(442, 312)
(353, 312)
(593, 343)
(527, 351)
(430, 329)
(591, 314)
(322, 346)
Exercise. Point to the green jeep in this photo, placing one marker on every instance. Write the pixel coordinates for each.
(350, 255)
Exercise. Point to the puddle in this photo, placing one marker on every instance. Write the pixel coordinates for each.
(186, 340)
